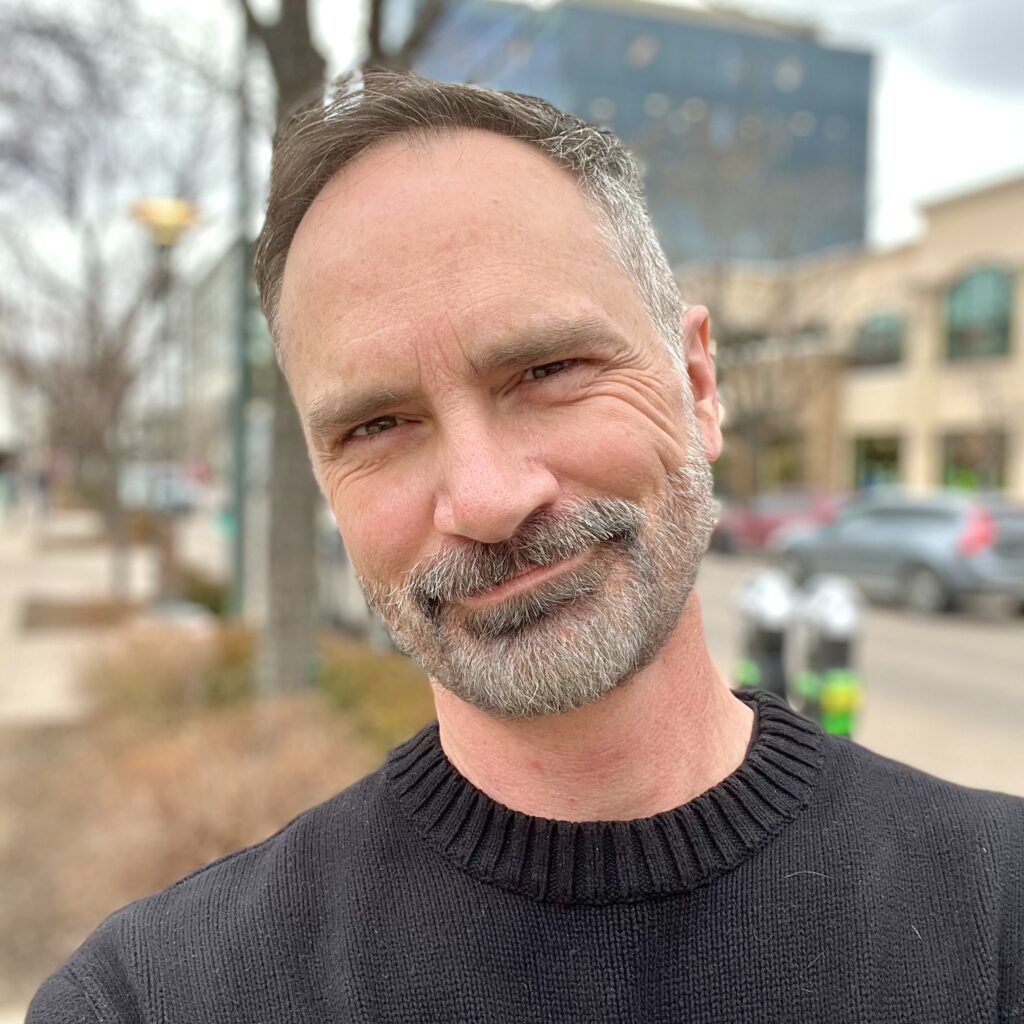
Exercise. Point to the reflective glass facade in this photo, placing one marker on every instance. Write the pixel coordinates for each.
(754, 142)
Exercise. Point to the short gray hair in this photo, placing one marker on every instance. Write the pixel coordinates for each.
(361, 111)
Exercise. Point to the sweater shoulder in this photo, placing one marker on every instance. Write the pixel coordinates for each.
(217, 910)
(246, 878)
(896, 801)
(894, 781)
(960, 850)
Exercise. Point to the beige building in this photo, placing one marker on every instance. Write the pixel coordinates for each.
(904, 366)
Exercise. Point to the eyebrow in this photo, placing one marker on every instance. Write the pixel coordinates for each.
(332, 412)
(549, 341)
(335, 411)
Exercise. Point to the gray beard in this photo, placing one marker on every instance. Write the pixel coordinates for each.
(568, 641)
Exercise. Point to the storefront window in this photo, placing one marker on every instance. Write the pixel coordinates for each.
(876, 461)
(879, 341)
(974, 462)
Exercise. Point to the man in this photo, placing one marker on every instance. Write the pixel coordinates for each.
(512, 417)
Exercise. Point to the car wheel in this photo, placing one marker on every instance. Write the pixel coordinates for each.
(924, 591)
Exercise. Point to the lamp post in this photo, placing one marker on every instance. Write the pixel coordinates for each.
(166, 218)
(243, 370)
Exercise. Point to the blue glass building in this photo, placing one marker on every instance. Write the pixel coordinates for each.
(753, 135)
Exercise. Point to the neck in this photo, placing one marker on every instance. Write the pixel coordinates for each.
(669, 734)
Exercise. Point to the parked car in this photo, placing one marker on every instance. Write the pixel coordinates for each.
(755, 525)
(928, 553)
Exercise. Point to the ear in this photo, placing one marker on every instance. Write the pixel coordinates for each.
(700, 368)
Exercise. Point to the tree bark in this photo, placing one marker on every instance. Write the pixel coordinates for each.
(287, 655)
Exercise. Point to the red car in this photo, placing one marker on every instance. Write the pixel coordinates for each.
(753, 526)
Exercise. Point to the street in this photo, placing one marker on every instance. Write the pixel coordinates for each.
(944, 694)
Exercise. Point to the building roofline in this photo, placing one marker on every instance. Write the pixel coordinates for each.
(970, 193)
(718, 16)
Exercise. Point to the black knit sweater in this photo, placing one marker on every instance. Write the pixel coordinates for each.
(818, 882)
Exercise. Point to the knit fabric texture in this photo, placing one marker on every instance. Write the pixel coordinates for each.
(818, 882)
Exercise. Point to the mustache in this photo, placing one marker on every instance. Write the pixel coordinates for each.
(549, 536)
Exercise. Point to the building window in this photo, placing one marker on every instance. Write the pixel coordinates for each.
(789, 74)
(602, 110)
(879, 341)
(656, 104)
(641, 51)
(975, 461)
(782, 462)
(876, 461)
(978, 315)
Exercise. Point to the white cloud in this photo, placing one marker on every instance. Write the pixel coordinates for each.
(932, 138)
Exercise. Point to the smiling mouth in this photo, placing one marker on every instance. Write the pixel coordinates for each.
(525, 580)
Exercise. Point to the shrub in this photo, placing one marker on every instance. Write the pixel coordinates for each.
(159, 672)
(386, 695)
(106, 811)
(203, 590)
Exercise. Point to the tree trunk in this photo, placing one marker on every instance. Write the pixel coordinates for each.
(120, 583)
(287, 654)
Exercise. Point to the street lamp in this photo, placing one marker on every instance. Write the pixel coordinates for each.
(166, 218)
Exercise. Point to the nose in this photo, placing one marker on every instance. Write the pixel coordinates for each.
(491, 483)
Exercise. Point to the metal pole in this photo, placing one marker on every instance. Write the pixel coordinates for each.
(243, 387)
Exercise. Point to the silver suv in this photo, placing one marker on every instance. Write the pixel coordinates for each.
(927, 552)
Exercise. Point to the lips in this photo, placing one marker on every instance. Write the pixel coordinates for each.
(523, 579)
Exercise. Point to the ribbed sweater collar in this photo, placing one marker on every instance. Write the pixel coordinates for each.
(600, 862)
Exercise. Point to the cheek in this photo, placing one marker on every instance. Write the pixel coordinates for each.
(385, 527)
(613, 450)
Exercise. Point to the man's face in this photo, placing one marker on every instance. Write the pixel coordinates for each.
(501, 435)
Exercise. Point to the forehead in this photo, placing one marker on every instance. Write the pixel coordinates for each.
(450, 238)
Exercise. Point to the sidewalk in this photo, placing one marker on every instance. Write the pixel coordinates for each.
(52, 560)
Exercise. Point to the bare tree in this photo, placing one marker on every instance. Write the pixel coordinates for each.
(90, 124)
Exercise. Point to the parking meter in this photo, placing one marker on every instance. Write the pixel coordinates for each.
(768, 605)
(829, 688)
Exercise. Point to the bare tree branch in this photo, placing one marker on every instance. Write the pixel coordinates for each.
(254, 28)
(426, 23)
(374, 28)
